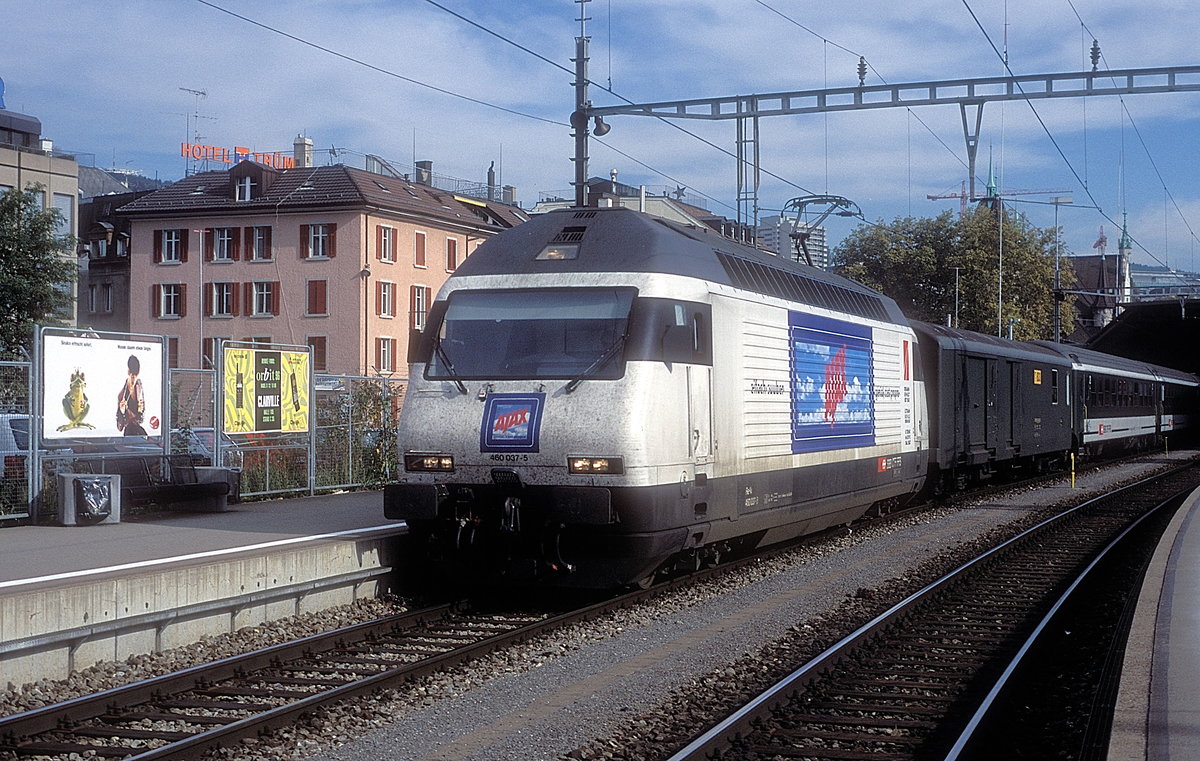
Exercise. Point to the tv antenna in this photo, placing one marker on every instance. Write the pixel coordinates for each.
(188, 167)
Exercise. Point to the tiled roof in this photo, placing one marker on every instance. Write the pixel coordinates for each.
(323, 186)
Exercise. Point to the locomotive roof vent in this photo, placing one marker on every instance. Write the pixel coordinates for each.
(565, 244)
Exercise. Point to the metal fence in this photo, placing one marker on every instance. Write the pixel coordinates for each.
(352, 444)
(16, 443)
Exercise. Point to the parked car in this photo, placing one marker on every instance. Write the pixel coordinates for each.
(14, 444)
(199, 443)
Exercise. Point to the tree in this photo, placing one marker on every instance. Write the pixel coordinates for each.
(917, 261)
(37, 268)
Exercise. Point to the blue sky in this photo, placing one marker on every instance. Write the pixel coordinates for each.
(106, 79)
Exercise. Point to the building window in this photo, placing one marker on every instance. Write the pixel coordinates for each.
(258, 243)
(169, 300)
(317, 344)
(99, 248)
(106, 303)
(209, 349)
(221, 300)
(317, 298)
(245, 188)
(263, 298)
(170, 246)
(221, 245)
(93, 290)
(418, 306)
(385, 298)
(419, 250)
(385, 355)
(318, 241)
(386, 243)
(451, 254)
(65, 206)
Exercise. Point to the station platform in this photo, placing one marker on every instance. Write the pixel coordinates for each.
(71, 596)
(1157, 716)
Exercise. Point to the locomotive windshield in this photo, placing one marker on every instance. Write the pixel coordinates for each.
(545, 333)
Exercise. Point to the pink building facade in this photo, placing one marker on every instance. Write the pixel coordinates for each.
(342, 260)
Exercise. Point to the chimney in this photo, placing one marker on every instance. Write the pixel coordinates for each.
(424, 172)
(510, 195)
(302, 151)
(491, 181)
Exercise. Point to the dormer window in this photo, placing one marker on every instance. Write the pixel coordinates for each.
(246, 187)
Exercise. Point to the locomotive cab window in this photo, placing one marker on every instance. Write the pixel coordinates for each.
(670, 330)
(544, 333)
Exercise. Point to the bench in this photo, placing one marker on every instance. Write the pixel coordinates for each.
(170, 482)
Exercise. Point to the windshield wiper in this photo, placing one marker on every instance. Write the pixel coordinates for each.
(600, 362)
(437, 347)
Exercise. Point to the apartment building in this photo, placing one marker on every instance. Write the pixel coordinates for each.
(339, 259)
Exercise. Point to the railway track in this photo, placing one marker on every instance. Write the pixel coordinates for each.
(184, 714)
(922, 678)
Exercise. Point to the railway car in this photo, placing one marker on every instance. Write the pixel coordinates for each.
(995, 404)
(599, 395)
(1125, 404)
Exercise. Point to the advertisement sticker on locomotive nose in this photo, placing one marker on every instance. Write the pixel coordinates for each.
(833, 405)
(511, 423)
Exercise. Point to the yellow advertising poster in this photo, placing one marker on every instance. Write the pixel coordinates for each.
(265, 390)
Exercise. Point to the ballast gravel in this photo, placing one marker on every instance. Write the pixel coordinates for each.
(635, 684)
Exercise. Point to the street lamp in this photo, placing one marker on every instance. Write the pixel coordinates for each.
(1058, 201)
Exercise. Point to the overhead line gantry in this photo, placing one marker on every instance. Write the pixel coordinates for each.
(969, 95)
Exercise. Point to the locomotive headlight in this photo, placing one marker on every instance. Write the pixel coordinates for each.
(596, 465)
(429, 462)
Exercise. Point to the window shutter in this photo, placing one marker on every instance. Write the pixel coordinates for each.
(419, 250)
(235, 244)
(392, 355)
(210, 243)
(208, 299)
(158, 246)
(234, 298)
(267, 242)
(248, 234)
(451, 254)
(183, 245)
(304, 233)
(379, 353)
(156, 301)
(378, 297)
(276, 296)
(183, 299)
(248, 290)
(379, 242)
(332, 240)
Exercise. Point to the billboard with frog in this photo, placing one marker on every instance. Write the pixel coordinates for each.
(100, 386)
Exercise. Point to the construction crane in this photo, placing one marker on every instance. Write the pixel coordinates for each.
(963, 196)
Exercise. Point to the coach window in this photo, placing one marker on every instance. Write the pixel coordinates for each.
(1054, 386)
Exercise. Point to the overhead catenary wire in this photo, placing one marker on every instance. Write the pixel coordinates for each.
(1045, 128)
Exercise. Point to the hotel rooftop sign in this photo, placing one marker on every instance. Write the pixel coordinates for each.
(199, 152)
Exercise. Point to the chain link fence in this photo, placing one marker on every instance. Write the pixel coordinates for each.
(352, 445)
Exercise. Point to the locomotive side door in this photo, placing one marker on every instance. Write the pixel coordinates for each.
(699, 384)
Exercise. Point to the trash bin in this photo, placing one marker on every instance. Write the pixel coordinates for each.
(89, 499)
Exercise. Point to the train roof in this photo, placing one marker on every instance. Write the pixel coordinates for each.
(623, 240)
(1092, 359)
(989, 345)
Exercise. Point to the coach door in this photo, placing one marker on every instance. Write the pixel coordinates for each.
(978, 403)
